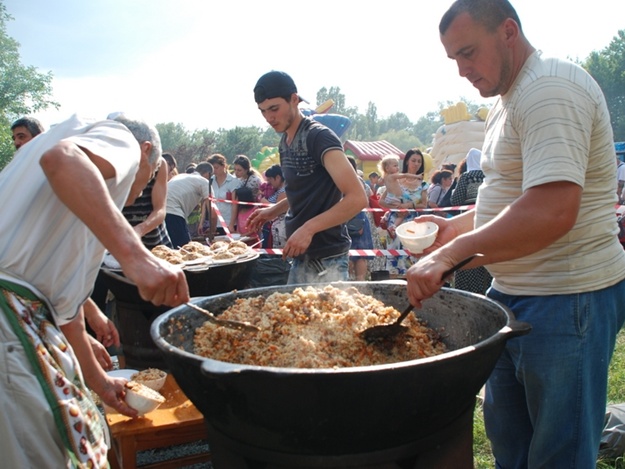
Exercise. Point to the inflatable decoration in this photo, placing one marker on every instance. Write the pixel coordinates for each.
(458, 135)
(339, 124)
(266, 157)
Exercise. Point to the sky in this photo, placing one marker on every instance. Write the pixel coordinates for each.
(195, 62)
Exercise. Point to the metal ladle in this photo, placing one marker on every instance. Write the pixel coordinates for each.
(386, 332)
(238, 325)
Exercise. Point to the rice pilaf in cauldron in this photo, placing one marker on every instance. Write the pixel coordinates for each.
(313, 327)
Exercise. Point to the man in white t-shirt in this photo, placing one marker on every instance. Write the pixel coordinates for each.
(545, 222)
(66, 191)
(184, 193)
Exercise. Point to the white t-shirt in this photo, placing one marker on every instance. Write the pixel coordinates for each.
(184, 193)
(43, 244)
(224, 192)
(553, 125)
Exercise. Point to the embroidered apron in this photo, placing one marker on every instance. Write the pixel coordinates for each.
(77, 419)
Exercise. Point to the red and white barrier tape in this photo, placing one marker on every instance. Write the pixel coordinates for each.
(352, 252)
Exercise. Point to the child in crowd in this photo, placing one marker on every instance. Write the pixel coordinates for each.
(391, 196)
(244, 195)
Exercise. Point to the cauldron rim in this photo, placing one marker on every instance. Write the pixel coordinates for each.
(511, 329)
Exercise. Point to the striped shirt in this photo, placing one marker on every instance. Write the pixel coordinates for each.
(139, 211)
(553, 125)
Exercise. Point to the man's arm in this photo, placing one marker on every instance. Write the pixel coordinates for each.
(103, 327)
(110, 390)
(77, 178)
(263, 215)
(518, 231)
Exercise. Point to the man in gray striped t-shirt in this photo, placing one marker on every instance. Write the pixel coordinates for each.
(545, 222)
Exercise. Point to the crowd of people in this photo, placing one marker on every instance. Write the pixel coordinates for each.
(543, 221)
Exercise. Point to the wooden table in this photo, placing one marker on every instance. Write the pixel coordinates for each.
(176, 421)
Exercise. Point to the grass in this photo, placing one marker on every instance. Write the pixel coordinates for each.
(482, 456)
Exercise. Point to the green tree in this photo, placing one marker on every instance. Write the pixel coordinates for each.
(402, 139)
(396, 122)
(608, 68)
(187, 147)
(240, 141)
(23, 90)
(426, 127)
(340, 106)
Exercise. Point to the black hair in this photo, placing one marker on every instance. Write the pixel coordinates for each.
(439, 175)
(409, 154)
(204, 167)
(32, 124)
(489, 13)
(274, 171)
(171, 161)
(244, 194)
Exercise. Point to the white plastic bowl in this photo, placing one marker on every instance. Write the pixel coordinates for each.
(415, 237)
(155, 384)
(141, 398)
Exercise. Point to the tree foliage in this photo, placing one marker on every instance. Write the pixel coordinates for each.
(608, 68)
(23, 89)
(187, 147)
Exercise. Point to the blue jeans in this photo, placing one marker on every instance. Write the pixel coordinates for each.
(323, 270)
(546, 398)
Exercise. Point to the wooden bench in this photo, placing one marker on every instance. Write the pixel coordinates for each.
(175, 422)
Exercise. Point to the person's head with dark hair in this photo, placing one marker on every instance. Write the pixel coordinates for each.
(413, 162)
(274, 176)
(244, 163)
(449, 166)
(278, 101)
(172, 169)
(489, 13)
(205, 169)
(438, 176)
(273, 171)
(485, 39)
(244, 194)
(217, 159)
(275, 84)
(190, 169)
(24, 130)
(243, 167)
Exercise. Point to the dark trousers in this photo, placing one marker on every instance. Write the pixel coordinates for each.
(178, 230)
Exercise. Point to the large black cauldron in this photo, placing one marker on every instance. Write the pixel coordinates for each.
(348, 410)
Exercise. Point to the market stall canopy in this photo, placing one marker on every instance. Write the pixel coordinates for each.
(368, 154)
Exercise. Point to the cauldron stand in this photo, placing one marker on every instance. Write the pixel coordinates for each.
(450, 447)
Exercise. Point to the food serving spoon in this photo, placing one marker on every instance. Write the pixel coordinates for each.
(386, 332)
(238, 325)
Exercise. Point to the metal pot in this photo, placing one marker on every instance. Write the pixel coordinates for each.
(211, 281)
(348, 410)
(133, 315)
